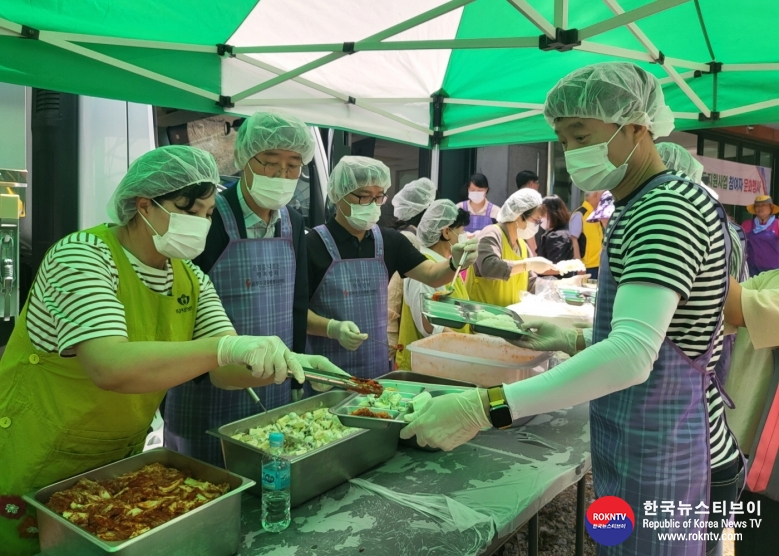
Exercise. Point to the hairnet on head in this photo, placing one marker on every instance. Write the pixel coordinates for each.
(440, 215)
(613, 92)
(353, 172)
(265, 131)
(159, 172)
(518, 204)
(415, 197)
(676, 157)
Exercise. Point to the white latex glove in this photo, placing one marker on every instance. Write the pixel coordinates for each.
(346, 332)
(447, 421)
(466, 253)
(319, 363)
(266, 356)
(538, 264)
(545, 336)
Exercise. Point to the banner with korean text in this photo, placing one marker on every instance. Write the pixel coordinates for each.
(735, 183)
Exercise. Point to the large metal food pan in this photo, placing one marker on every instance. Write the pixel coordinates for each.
(213, 529)
(314, 472)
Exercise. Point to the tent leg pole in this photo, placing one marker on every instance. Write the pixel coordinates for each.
(435, 158)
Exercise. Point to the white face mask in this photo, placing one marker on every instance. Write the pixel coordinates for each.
(272, 193)
(476, 196)
(185, 238)
(363, 217)
(590, 167)
(530, 230)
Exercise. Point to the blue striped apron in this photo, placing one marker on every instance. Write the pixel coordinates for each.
(255, 279)
(650, 442)
(354, 290)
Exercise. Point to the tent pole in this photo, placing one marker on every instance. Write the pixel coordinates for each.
(749, 108)
(496, 104)
(597, 48)
(561, 14)
(391, 31)
(628, 17)
(87, 53)
(435, 158)
(523, 7)
(496, 121)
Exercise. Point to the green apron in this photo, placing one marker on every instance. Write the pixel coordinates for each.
(54, 421)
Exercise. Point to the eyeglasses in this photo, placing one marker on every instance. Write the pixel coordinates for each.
(368, 199)
(535, 221)
(273, 170)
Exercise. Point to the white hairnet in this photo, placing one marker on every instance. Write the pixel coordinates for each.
(613, 92)
(519, 203)
(158, 172)
(441, 214)
(353, 172)
(265, 131)
(415, 197)
(676, 157)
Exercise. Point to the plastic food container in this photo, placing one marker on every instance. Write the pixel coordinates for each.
(213, 529)
(475, 358)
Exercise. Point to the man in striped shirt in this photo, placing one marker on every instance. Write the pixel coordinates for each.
(656, 420)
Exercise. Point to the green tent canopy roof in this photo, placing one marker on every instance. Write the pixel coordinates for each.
(458, 73)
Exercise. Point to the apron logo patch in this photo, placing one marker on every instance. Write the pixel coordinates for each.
(610, 520)
(184, 300)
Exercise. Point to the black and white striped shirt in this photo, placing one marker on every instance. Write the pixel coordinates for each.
(74, 296)
(672, 237)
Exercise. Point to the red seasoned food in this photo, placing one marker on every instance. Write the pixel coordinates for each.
(133, 503)
(366, 386)
(366, 412)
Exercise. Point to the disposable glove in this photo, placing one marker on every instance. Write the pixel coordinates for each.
(447, 421)
(319, 363)
(466, 253)
(545, 336)
(266, 356)
(538, 264)
(346, 332)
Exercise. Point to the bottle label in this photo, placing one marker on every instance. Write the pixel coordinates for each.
(274, 478)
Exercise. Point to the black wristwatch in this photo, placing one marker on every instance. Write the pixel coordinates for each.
(500, 414)
(451, 264)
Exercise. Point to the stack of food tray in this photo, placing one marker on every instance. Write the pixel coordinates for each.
(455, 313)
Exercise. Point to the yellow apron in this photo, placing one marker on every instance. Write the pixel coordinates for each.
(593, 231)
(408, 332)
(54, 421)
(499, 292)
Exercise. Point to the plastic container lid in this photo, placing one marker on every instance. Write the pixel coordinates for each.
(276, 439)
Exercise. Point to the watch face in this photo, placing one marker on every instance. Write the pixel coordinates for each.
(501, 417)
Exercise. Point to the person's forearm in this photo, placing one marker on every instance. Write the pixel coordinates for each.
(734, 314)
(236, 377)
(316, 325)
(432, 274)
(142, 367)
(576, 253)
(642, 314)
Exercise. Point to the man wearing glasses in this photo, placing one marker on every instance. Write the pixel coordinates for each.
(350, 260)
(256, 257)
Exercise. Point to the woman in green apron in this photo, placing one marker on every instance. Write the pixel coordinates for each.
(116, 316)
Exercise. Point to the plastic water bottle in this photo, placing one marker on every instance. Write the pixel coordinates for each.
(275, 488)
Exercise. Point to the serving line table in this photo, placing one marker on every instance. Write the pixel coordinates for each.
(469, 501)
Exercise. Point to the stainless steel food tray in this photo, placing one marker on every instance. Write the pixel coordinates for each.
(314, 472)
(409, 376)
(456, 313)
(213, 529)
(409, 389)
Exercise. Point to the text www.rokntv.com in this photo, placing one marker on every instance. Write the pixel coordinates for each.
(699, 536)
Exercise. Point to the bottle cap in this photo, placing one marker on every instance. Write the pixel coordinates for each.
(276, 439)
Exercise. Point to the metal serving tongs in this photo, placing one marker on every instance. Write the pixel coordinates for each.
(353, 384)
